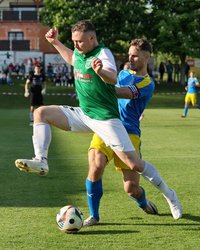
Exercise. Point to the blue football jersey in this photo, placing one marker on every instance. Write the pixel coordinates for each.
(192, 82)
(131, 109)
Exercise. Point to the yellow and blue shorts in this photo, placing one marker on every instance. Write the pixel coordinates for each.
(191, 98)
(97, 143)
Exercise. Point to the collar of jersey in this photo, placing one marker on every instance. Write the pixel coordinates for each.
(132, 73)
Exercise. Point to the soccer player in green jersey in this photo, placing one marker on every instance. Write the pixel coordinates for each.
(95, 78)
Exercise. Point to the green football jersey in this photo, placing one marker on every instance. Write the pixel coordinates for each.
(97, 99)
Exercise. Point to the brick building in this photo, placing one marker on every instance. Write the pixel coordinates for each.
(20, 28)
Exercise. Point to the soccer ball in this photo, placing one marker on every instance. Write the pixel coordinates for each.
(69, 219)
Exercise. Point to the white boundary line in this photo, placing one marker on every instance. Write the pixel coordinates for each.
(52, 94)
(64, 94)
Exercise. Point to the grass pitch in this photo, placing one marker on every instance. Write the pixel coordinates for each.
(29, 203)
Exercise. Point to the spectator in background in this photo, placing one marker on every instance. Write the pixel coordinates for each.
(4, 68)
(9, 80)
(169, 68)
(3, 79)
(177, 70)
(71, 80)
(161, 70)
(187, 69)
(150, 66)
(64, 69)
(11, 68)
(42, 69)
(50, 72)
(30, 66)
(23, 71)
(17, 69)
(35, 61)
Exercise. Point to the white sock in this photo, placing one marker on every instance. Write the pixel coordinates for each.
(152, 175)
(41, 139)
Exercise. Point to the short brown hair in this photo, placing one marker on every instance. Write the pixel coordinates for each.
(83, 26)
(142, 44)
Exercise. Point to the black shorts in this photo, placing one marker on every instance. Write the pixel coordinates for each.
(36, 99)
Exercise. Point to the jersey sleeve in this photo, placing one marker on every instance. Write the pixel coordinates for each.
(107, 59)
(73, 59)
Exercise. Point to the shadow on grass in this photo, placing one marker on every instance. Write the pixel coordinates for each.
(110, 232)
(191, 217)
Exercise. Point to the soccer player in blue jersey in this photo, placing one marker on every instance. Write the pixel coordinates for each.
(135, 88)
(191, 95)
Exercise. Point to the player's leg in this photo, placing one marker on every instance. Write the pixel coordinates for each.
(135, 192)
(65, 118)
(131, 180)
(115, 135)
(169, 194)
(43, 117)
(98, 157)
(187, 102)
(94, 189)
(150, 173)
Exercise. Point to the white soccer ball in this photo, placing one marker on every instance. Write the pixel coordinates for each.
(69, 219)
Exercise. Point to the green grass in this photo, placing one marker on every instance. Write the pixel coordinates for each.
(29, 203)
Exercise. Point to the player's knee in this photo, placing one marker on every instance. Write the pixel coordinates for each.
(39, 114)
(138, 165)
(134, 162)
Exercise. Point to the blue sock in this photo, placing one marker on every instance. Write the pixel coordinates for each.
(185, 111)
(141, 201)
(94, 194)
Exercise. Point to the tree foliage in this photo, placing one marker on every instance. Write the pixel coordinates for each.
(116, 22)
(172, 26)
(176, 28)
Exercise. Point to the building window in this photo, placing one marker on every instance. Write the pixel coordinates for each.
(15, 35)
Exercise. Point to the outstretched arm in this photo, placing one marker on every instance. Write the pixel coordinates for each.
(66, 53)
(130, 92)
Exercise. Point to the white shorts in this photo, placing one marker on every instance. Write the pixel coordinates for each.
(111, 131)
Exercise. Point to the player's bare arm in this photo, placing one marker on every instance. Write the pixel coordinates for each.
(26, 93)
(107, 75)
(66, 53)
(130, 92)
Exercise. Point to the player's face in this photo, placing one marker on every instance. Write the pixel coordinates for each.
(83, 41)
(136, 58)
(37, 70)
(191, 74)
